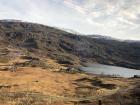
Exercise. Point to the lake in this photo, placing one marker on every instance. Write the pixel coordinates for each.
(110, 70)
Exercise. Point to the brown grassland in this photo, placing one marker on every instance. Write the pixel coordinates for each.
(37, 86)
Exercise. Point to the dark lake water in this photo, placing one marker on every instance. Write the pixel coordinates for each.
(110, 70)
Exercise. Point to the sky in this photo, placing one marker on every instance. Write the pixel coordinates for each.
(115, 18)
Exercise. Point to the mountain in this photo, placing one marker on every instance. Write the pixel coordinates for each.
(100, 36)
(67, 48)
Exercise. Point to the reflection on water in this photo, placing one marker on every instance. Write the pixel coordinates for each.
(110, 70)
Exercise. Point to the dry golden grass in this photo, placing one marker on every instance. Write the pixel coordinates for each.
(52, 84)
(53, 87)
(4, 59)
(38, 80)
(37, 86)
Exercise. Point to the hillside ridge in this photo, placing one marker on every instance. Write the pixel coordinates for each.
(67, 48)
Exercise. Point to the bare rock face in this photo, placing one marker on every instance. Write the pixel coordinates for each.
(69, 48)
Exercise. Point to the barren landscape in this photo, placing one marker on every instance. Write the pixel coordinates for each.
(39, 72)
(37, 86)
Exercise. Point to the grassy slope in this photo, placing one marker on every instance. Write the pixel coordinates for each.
(49, 86)
(68, 48)
(40, 82)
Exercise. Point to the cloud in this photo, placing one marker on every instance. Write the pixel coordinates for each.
(115, 15)
(107, 8)
(117, 18)
(72, 4)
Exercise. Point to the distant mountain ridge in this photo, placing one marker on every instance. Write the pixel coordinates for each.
(68, 48)
(101, 36)
(10, 20)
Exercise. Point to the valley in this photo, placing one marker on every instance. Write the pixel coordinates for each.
(39, 65)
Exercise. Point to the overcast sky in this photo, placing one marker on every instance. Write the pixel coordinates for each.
(115, 18)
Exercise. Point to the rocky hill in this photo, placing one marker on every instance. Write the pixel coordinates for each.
(67, 48)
